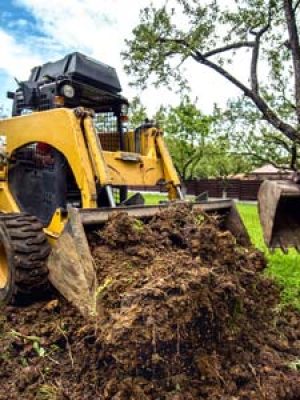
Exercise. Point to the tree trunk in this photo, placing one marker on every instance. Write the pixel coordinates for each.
(295, 48)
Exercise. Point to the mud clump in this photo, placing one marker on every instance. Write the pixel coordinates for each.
(184, 313)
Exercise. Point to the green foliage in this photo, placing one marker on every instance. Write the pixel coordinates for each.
(159, 45)
(221, 162)
(295, 365)
(196, 141)
(49, 392)
(255, 141)
(212, 33)
(186, 131)
(197, 147)
(137, 113)
(40, 351)
(167, 36)
(35, 341)
(101, 289)
(138, 225)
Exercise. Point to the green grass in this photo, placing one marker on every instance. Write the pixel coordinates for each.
(151, 198)
(285, 268)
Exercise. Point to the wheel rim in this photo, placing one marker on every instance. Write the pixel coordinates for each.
(3, 267)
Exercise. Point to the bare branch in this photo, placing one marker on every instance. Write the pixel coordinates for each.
(255, 53)
(295, 49)
(229, 47)
(296, 5)
(254, 61)
(183, 42)
(260, 103)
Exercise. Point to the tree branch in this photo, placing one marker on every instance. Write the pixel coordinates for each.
(280, 142)
(183, 42)
(260, 103)
(229, 47)
(196, 157)
(262, 159)
(295, 49)
(252, 93)
(296, 5)
(254, 61)
(255, 54)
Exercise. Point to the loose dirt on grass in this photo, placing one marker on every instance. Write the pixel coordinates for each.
(184, 313)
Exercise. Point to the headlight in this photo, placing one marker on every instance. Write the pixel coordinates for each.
(68, 91)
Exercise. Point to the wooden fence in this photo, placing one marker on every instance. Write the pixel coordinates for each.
(234, 188)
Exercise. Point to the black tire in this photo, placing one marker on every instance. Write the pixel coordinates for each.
(24, 250)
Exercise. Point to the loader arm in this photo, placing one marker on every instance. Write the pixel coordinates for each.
(73, 135)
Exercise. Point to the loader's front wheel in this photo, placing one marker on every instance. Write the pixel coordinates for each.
(24, 250)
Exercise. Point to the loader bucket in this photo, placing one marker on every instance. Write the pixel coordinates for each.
(279, 211)
(71, 265)
(225, 209)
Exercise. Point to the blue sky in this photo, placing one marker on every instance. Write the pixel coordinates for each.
(18, 22)
(36, 31)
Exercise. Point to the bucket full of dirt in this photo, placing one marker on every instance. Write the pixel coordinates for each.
(183, 313)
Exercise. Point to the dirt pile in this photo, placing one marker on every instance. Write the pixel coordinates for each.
(183, 314)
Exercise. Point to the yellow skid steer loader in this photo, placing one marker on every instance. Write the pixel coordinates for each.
(66, 161)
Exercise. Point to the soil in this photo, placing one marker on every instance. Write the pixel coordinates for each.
(184, 312)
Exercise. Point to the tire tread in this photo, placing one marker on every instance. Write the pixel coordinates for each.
(31, 250)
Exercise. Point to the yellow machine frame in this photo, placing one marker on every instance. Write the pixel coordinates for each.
(72, 133)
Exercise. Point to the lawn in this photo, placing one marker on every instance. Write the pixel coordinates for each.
(284, 268)
(152, 198)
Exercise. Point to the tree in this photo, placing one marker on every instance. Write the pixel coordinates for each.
(254, 139)
(186, 130)
(198, 149)
(137, 113)
(211, 34)
(198, 143)
(221, 162)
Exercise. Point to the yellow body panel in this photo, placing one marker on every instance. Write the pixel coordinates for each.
(7, 202)
(74, 135)
(62, 130)
(145, 171)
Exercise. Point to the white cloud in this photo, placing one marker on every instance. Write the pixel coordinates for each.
(97, 28)
(15, 59)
